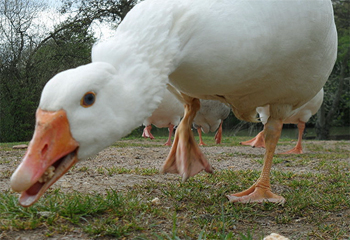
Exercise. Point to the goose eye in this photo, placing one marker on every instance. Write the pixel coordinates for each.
(88, 100)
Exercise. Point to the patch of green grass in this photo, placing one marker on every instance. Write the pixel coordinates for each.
(318, 203)
(82, 169)
(122, 170)
(199, 206)
(6, 173)
(141, 143)
(117, 170)
(146, 171)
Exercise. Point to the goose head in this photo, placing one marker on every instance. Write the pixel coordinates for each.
(81, 112)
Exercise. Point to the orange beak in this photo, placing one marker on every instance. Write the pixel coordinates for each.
(51, 148)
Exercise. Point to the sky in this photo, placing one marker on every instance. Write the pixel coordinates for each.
(50, 17)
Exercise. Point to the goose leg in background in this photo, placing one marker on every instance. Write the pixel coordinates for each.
(218, 135)
(201, 143)
(260, 191)
(298, 148)
(147, 132)
(257, 142)
(185, 157)
(171, 129)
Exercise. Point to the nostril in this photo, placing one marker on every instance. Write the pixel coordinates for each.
(44, 150)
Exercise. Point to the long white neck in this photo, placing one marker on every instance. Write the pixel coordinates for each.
(144, 54)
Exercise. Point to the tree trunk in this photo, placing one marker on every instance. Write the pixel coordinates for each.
(322, 129)
(324, 120)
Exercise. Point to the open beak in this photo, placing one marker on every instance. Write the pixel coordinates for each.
(51, 153)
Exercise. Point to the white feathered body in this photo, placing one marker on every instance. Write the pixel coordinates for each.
(245, 53)
(253, 53)
(169, 111)
(210, 115)
(303, 113)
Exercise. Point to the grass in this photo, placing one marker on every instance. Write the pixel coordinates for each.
(317, 207)
(122, 170)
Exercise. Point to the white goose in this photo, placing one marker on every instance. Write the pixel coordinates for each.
(210, 117)
(299, 116)
(245, 53)
(168, 114)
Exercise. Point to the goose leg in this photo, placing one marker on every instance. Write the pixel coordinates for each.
(260, 191)
(147, 132)
(201, 143)
(298, 148)
(171, 129)
(218, 135)
(185, 157)
(257, 142)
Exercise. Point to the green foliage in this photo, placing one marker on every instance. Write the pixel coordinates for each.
(335, 110)
(24, 75)
(28, 61)
(102, 10)
(21, 87)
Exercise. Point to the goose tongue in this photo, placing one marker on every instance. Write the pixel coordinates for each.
(33, 190)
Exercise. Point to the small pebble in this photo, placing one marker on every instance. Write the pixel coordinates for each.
(44, 214)
(22, 146)
(275, 236)
(156, 201)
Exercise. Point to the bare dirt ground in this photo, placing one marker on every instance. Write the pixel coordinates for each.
(131, 158)
(93, 181)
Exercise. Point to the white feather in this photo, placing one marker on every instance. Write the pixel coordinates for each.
(246, 53)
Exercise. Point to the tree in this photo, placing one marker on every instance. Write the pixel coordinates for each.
(17, 21)
(88, 11)
(336, 106)
(31, 55)
(29, 59)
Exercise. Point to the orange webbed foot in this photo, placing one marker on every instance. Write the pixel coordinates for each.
(167, 143)
(256, 142)
(298, 148)
(261, 190)
(256, 194)
(147, 132)
(185, 157)
(293, 151)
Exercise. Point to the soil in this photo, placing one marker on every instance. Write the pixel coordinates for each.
(137, 157)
